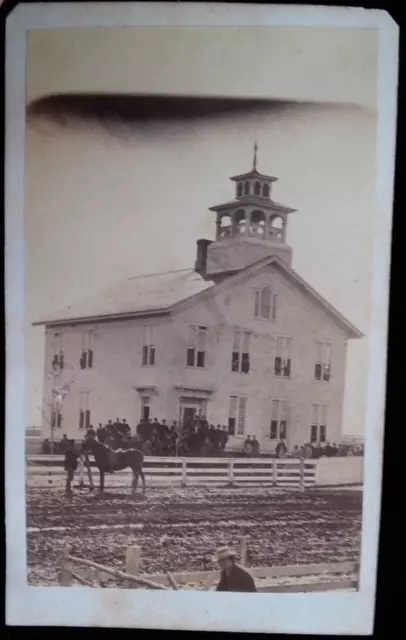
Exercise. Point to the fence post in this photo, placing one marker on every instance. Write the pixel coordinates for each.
(231, 472)
(275, 472)
(132, 564)
(243, 551)
(65, 575)
(184, 472)
(302, 475)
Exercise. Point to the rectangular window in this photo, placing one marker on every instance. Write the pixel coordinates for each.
(318, 428)
(237, 415)
(196, 349)
(57, 349)
(242, 407)
(86, 357)
(84, 410)
(56, 419)
(322, 368)
(232, 415)
(279, 419)
(265, 304)
(148, 348)
(240, 358)
(283, 356)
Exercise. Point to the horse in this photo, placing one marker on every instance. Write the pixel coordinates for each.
(107, 461)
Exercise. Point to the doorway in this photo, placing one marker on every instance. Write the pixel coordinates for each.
(190, 408)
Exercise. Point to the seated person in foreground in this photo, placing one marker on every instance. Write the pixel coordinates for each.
(233, 577)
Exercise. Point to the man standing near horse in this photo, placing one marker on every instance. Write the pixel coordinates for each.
(70, 464)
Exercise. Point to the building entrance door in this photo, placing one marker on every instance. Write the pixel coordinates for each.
(191, 408)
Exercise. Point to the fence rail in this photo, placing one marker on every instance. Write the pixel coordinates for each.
(47, 470)
(337, 573)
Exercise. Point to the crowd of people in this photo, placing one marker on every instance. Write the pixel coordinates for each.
(196, 437)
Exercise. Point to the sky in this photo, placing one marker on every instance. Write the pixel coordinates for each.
(109, 198)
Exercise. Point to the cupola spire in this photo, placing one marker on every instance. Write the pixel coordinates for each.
(254, 162)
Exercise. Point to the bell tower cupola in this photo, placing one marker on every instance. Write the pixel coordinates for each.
(250, 227)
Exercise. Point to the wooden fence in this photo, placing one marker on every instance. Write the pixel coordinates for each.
(333, 576)
(47, 471)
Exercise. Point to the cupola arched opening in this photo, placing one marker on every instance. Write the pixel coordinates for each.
(257, 188)
(239, 189)
(240, 221)
(276, 227)
(246, 188)
(225, 225)
(257, 226)
(265, 190)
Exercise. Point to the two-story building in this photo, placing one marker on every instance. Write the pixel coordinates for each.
(241, 338)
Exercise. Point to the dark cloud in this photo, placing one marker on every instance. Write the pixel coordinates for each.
(125, 110)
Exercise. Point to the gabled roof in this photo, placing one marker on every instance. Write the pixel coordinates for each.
(135, 296)
(301, 285)
(265, 203)
(253, 174)
(166, 292)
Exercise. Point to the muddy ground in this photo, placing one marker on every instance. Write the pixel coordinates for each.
(179, 529)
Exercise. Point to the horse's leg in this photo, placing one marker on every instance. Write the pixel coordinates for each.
(135, 482)
(143, 480)
(101, 480)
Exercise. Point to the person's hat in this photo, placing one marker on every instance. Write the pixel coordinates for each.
(225, 552)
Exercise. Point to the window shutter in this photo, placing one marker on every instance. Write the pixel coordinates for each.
(256, 304)
(81, 419)
(90, 359)
(278, 366)
(87, 421)
(274, 303)
(190, 357)
(144, 355)
(152, 355)
(317, 371)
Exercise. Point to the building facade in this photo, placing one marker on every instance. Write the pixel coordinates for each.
(241, 339)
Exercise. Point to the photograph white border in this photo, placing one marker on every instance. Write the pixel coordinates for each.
(326, 613)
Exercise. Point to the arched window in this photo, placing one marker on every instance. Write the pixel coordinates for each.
(225, 226)
(257, 188)
(239, 189)
(246, 188)
(265, 190)
(276, 228)
(265, 304)
(257, 226)
(265, 309)
(240, 221)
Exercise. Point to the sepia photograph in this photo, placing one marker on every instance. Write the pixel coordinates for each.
(200, 213)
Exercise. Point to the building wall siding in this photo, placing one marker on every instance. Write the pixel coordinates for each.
(117, 368)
